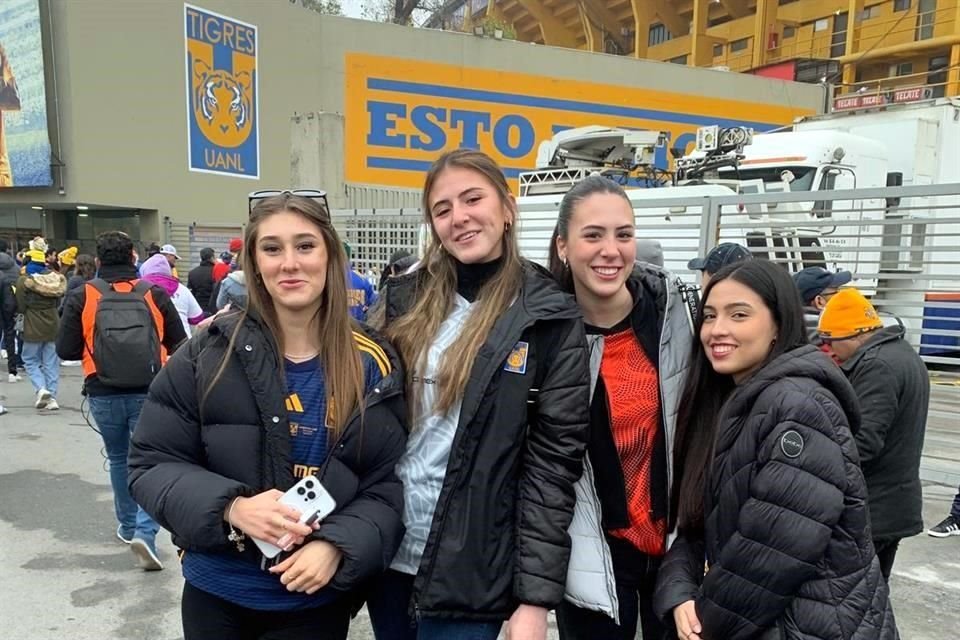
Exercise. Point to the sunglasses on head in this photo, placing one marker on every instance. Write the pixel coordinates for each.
(314, 194)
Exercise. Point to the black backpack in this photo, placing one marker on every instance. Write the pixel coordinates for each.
(126, 342)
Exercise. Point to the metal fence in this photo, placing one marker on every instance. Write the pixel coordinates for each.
(375, 234)
(190, 238)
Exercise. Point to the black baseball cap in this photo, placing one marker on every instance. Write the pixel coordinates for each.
(719, 257)
(813, 280)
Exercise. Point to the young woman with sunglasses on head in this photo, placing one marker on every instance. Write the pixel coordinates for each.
(497, 380)
(288, 388)
(638, 331)
(770, 503)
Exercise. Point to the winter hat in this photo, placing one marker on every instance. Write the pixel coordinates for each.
(156, 265)
(236, 245)
(39, 244)
(848, 314)
(68, 256)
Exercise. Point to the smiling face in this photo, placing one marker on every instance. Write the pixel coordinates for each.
(291, 258)
(600, 247)
(468, 215)
(738, 329)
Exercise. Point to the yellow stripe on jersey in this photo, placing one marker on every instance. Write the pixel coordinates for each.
(370, 347)
(294, 404)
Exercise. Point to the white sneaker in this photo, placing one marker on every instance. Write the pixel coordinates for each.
(13, 377)
(70, 363)
(52, 405)
(43, 397)
(3, 410)
(3, 354)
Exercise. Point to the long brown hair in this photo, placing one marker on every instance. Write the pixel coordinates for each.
(341, 362)
(413, 332)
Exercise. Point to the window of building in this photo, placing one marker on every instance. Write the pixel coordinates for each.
(717, 50)
(937, 76)
(718, 20)
(789, 32)
(822, 24)
(838, 40)
(783, 2)
(869, 13)
(901, 5)
(926, 15)
(901, 69)
(739, 45)
(658, 34)
(678, 60)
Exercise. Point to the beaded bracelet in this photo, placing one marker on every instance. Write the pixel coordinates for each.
(236, 537)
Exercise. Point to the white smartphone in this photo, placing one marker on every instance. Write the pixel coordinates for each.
(312, 501)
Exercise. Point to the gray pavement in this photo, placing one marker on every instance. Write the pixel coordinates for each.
(64, 574)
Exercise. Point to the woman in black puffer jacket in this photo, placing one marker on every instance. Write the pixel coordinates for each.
(770, 503)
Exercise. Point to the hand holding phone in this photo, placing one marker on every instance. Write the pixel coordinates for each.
(311, 499)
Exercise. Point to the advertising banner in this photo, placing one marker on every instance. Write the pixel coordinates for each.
(24, 141)
(401, 114)
(223, 133)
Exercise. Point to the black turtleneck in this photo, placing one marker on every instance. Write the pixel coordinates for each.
(471, 277)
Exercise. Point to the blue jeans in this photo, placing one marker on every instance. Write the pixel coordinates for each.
(116, 416)
(388, 605)
(42, 365)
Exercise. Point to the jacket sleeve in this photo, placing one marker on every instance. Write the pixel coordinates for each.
(552, 463)
(70, 343)
(369, 528)
(166, 461)
(879, 404)
(679, 577)
(784, 526)
(173, 332)
(21, 295)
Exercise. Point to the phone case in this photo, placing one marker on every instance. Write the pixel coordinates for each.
(312, 501)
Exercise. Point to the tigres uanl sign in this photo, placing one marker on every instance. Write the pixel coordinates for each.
(221, 65)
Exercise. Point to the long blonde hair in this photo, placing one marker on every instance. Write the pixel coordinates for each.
(413, 332)
(343, 369)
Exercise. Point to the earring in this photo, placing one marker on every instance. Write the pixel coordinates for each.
(563, 259)
(506, 226)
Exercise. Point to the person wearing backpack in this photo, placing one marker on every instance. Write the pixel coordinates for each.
(122, 330)
(38, 293)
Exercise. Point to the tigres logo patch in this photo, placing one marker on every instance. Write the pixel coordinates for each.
(517, 360)
(222, 105)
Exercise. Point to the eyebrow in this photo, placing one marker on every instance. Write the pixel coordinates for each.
(597, 227)
(732, 305)
(299, 236)
(459, 195)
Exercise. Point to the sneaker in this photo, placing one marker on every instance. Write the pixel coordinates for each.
(70, 363)
(3, 410)
(125, 538)
(949, 527)
(52, 405)
(3, 354)
(43, 397)
(146, 552)
(14, 377)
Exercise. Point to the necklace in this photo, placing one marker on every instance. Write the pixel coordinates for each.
(301, 358)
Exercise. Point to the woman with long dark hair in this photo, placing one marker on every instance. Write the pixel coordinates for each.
(287, 388)
(638, 333)
(497, 381)
(768, 496)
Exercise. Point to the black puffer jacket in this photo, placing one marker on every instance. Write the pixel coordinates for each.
(893, 387)
(499, 534)
(189, 458)
(787, 535)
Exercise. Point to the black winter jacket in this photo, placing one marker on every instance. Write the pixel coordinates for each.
(787, 535)
(200, 283)
(189, 457)
(893, 387)
(499, 533)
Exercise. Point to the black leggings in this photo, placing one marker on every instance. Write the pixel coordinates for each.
(206, 617)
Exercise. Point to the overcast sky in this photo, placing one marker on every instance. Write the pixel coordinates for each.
(352, 8)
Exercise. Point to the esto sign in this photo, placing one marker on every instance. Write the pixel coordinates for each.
(401, 114)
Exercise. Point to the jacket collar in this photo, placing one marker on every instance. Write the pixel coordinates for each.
(879, 337)
(118, 272)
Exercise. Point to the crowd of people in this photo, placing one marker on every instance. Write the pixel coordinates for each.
(500, 439)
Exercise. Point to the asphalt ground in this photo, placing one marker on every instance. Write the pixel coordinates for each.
(63, 574)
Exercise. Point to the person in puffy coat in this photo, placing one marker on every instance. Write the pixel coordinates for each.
(289, 388)
(770, 502)
(498, 382)
(639, 336)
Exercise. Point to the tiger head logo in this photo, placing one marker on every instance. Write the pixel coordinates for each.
(222, 104)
